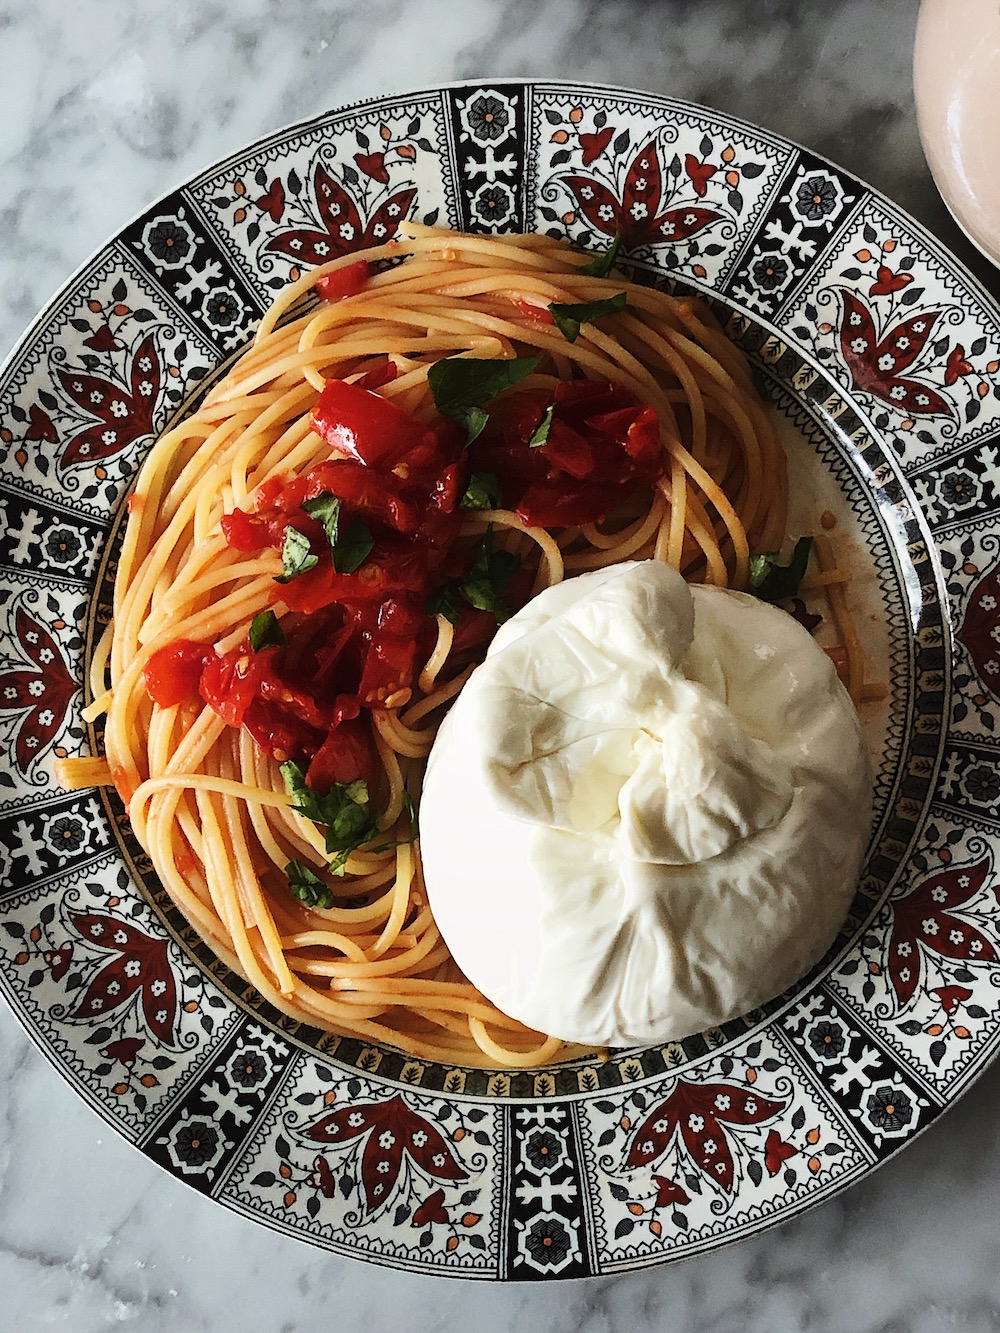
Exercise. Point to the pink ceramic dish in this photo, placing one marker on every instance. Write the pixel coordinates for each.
(956, 81)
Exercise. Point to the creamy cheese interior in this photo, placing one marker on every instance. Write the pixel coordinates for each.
(647, 811)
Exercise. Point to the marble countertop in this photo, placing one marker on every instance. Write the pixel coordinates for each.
(103, 106)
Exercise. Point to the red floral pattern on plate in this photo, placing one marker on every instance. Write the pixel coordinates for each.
(139, 965)
(636, 214)
(697, 1114)
(393, 1132)
(979, 631)
(123, 408)
(925, 921)
(343, 228)
(42, 694)
(877, 364)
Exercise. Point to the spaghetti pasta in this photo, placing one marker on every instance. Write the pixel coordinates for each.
(209, 804)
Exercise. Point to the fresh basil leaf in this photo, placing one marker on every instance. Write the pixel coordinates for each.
(772, 582)
(462, 385)
(265, 632)
(569, 318)
(326, 508)
(475, 423)
(345, 813)
(602, 264)
(410, 808)
(306, 885)
(296, 557)
(488, 577)
(444, 602)
(353, 549)
(482, 492)
(542, 429)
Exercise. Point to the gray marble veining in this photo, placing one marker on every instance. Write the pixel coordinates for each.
(103, 106)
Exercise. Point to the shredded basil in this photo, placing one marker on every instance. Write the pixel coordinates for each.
(488, 577)
(602, 264)
(482, 492)
(462, 385)
(306, 885)
(326, 508)
(542, 429)
(772, 582)
(345, 813)
(569, 318)
(444, 602)
(296, 557)
(353, 549)
(265, 632)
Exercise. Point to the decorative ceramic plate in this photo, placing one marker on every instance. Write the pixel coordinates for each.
(881, 357)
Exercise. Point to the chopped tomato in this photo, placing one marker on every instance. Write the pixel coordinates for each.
(367, 427)
(381, 374)
(602, 444)
(172, 673)
(346, 281)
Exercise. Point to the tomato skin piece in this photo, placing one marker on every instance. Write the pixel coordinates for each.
(602, 444)
(230, 682)
(347, 753)
(378, 375)
(346, 281)
(365, 426)
(173, 672)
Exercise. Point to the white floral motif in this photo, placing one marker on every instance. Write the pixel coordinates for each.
(347, 230)
(975, 946)
(46, 655)
(355, 1119)
(639, 209)
(905, 948)
(750, 1106)
(709, 1146)
(386, 1140)
(605, 212)
(119, 409)
(988, 602)
(855, 319)
(419, 1139)
(722, 1102)
(120, 937)
(956, 936)
(133, 967)
(929, 927)
(695, 1123)
(158, 987)
(859, 345)
(897, 392)
(939, 893)
(963, 881)
(46, 717)
(36, 687)
(438, 1159)
(886, 362)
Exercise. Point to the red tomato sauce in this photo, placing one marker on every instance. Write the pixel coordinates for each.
(355, 638)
